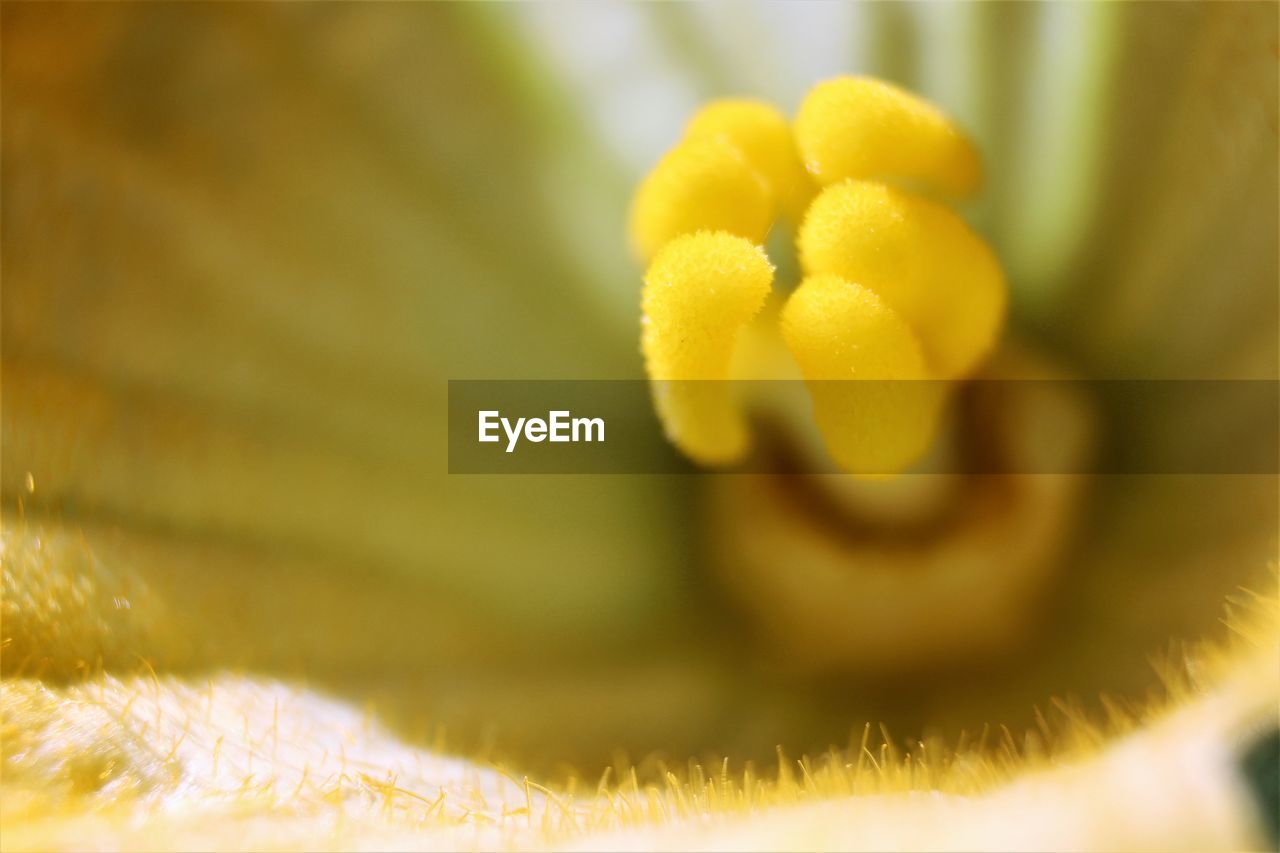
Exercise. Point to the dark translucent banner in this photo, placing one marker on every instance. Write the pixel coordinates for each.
(977, 427)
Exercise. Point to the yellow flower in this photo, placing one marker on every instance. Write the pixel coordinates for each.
(246, 246)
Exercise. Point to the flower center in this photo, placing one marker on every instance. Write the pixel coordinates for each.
(899, 560)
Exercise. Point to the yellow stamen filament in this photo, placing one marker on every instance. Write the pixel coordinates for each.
(702, 184)
(763, 136)
(837, 331)
(699, 292)
(920, 258)
(857, 127)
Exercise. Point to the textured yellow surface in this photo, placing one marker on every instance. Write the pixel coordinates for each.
(232, 761)
(858, 127)
(920, 257)
(699, 292)
(839, 331)
(763, 135)
(891, 275)
(703, 184)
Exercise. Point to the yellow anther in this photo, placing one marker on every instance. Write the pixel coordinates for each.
(897, 290)
(699, 292)
(763, 135)
(856, 127)
(920, 257)
(864, 369)
(702, 184)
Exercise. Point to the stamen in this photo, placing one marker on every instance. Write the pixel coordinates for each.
(699, 292)
(763, 135)
(856, 127)
(837, 330)
(898, 287)
(918, 256)
(703, 184)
